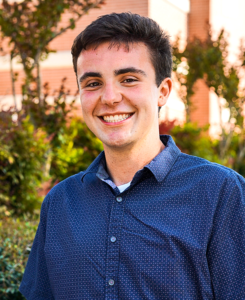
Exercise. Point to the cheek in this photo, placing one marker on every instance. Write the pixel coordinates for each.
(141, 97)
(87, 102)
(135, 96)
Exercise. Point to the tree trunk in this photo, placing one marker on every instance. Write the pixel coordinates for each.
(13, 81)
(187, 110)
(39, 79)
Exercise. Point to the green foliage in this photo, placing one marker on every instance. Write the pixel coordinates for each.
(207, 60)
(51, 117)
(43, 145)
(194, 140)
(235, 153)
(16, 240)
(76, 150)
(23, 154)
(63, 147)
(72, 145)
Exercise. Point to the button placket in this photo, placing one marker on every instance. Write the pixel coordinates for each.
(112, 259)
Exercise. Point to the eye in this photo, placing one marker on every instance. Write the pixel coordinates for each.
(129, 80)
(93, 84)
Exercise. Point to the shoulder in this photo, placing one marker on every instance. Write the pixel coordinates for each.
(63, 190)
(208, 177)
(203, 166)
(67, 185)
(217, 189)
(74, 187)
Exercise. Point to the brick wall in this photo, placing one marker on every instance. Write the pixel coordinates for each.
(198, 18)
(65, 41)
(53, 76)
(197, 26)
(200, 102)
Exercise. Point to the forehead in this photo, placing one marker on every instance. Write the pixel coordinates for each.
(114, 56)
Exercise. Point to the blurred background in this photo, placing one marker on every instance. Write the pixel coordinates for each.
(43, 138)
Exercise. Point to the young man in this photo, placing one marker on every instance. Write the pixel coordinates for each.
(144, 221)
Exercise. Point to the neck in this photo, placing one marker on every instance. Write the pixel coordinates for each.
(122, 164)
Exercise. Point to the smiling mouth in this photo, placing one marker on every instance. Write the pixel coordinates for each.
(116, 118)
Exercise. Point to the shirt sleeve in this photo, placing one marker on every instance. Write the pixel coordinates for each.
(35, 283)
(226, 249)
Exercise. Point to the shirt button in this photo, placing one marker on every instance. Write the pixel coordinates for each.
(119, 199)
(113, 239)
(111, 282)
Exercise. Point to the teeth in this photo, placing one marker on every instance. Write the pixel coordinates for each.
(116, 118)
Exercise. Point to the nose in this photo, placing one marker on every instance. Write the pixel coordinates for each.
(110, 95)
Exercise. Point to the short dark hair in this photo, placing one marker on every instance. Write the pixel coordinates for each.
(126, 28)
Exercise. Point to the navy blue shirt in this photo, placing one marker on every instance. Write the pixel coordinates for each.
(177, 232)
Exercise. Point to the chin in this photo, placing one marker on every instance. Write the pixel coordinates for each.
(117, 143)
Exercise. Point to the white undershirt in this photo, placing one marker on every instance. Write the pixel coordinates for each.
(123, 187)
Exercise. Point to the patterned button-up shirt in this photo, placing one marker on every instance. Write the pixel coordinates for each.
(177, 232)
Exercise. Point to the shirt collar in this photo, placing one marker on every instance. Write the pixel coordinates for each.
(159, 166)
(98, 163)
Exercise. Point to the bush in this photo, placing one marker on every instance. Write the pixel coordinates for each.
(194, 140)
(17, 236)
(76, 148)
(235, 152)
(23, 155)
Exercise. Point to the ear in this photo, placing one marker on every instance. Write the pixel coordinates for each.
(165, 89)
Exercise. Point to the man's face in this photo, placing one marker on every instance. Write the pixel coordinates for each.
(119, 95)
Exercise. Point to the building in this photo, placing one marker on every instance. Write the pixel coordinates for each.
(187, 18)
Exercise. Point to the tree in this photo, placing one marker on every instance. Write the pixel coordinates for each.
(199, 60)
(30, 26)
(207, 59)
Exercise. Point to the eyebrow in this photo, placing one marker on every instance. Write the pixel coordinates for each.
(129, 70)
(116, 73)
(89, 74)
